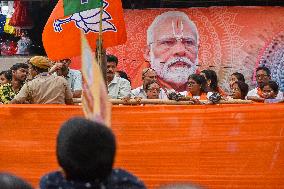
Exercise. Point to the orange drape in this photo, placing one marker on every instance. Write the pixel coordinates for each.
(218, 146)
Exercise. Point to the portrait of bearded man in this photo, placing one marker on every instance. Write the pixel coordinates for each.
(172, 49)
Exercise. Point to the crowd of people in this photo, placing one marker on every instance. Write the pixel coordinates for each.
(41, 81)
(199, 86)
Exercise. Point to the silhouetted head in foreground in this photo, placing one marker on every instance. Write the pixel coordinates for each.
(9, 181)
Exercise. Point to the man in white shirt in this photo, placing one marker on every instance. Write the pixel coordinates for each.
(262, 77)
(148, 75)
(117, 86)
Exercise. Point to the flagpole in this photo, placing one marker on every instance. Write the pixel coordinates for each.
(100, 52)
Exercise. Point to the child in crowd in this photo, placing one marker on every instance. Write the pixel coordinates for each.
(85, 151)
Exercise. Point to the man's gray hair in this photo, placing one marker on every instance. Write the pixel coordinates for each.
(170, 14)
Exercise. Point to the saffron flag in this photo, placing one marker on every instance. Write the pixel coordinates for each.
(95, 99)
(71, 6)
(61, 35)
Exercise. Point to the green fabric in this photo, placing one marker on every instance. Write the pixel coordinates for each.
(75, 6)
(6, 93)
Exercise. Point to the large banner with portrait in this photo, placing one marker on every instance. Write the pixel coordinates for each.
(179, 42)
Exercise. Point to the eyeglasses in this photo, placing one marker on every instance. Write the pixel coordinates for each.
(155, 90)
(167, 43)
(261, 76)
(191, 83)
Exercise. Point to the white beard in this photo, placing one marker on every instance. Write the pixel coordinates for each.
(177, 75)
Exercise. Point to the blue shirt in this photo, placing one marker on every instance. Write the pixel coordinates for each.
(118, 179)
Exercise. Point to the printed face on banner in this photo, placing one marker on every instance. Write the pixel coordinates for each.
(172, 47)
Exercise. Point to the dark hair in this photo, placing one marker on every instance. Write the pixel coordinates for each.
(123, 75)
(239, 76)
(85, 150)
(244, 88)
(147, 87)
(212, 76)
(272, 84)
(19, 65)
(7, 74)
(9, 181)
(39, 70)
(264, 69)
(112, 58)
(199, 79)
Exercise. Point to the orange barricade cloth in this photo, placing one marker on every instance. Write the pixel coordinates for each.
(217, 146)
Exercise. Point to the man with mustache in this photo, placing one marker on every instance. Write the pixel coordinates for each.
(117, 86)
(8, 91)
(263, 76)
(172, 49)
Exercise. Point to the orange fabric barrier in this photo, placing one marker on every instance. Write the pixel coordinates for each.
(218, 146)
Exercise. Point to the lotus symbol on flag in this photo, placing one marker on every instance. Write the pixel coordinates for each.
(88, 21)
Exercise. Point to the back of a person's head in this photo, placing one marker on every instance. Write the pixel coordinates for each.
(85, 150)
(180, 186)
(9, 181)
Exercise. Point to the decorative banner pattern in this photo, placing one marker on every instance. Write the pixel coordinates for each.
(230, 39)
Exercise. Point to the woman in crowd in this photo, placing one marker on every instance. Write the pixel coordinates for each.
(239, 90)
(5, 77)
(153, 90)
(212, 82)
(196, 87)
(236, 77)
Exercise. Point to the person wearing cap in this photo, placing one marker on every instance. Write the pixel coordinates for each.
(43, 88)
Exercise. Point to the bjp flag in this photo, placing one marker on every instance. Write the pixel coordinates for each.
(61, 35)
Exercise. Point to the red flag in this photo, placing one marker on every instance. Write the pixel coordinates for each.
(61, 35)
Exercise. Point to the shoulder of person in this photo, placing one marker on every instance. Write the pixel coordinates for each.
(51, 178)
(120, 178)
(122, 80)
(75, 71)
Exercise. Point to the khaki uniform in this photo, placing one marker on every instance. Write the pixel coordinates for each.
(45, 89)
